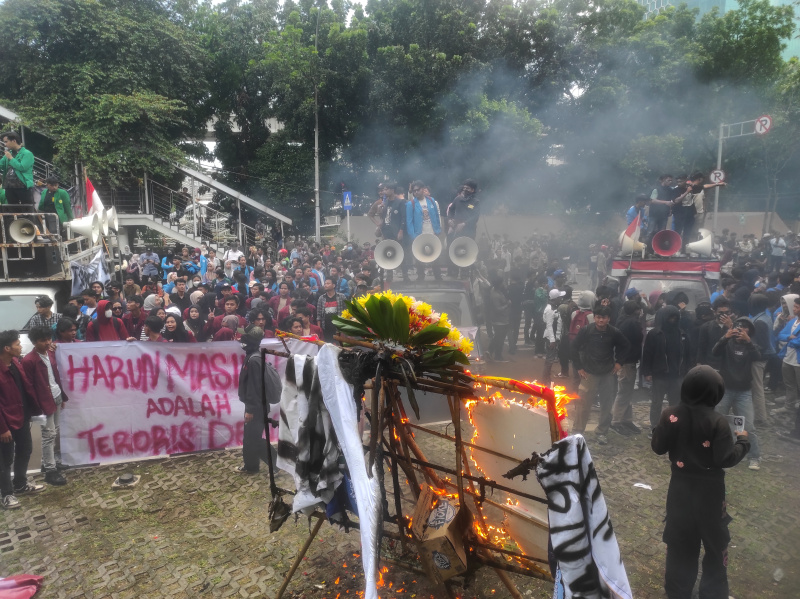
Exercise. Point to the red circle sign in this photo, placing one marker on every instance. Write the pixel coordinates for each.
(763, 124)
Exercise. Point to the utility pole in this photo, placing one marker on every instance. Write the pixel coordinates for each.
(316, 136)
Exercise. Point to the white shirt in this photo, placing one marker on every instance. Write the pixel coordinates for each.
(551, 317)
(232, 255)
(51, 379)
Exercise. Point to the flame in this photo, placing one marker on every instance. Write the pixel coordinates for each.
(336, 581)
(381, 582)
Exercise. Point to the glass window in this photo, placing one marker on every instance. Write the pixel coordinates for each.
(696, 291)
(17, 310)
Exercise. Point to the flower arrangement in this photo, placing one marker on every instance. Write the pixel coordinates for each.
(403, 321)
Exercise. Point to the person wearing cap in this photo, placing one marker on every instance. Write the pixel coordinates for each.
(552, 333)
(596, 353)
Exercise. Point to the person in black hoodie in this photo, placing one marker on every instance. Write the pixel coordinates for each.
(712, 331)
(703, 313)
(629, 325)
(700, 445)
(664, 360)
(738, 353)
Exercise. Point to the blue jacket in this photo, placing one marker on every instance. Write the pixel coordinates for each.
(783, 337)
(414, 217)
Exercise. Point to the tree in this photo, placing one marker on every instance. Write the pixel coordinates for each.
(119, 84)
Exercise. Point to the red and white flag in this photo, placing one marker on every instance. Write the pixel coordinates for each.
(93, 201)
(634, 229)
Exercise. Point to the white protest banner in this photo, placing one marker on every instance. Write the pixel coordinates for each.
(129, 401)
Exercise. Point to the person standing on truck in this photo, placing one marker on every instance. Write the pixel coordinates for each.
(660, 204)
(16, 167)
(18, 402)
(422, 216)
(596, 354)
(394, 222)
(56, 201)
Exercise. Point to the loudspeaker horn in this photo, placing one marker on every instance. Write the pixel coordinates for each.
(629, 246)
(666, 242)
(22, 230)
(103, 216)
(705, 246)
(426, 247)
(463, 252)
(113, 221)
(389, 254)
(88, 226)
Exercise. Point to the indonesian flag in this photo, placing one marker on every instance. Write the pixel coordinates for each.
(634, 229)
(93, 201)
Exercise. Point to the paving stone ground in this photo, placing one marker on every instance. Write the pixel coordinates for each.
(193, 527)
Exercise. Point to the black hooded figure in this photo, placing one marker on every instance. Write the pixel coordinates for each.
(700, 445)
(665, 359)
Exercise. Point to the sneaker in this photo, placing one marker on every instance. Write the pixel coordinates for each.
(10, 502)
(601, 439)
(55, 478)
(754, 465)
(28, 488)
(61, 466)
(243, 470)
(632, 428)
(649, 434)
(621, 429)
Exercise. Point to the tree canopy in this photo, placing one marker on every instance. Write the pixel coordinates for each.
(550, 105)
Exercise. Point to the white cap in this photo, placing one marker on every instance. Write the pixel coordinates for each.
(554, 293)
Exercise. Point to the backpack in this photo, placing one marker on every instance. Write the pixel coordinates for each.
(580, 318)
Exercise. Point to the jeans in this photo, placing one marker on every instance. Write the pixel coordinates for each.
(496, 344)
(671, 387)
(15, 454)
(592, 385)
(515, 319)
(51, 455)
(759, 401)
(791, 380)
(549, 359)
(254, 447)
(741, 403)
(622, 410)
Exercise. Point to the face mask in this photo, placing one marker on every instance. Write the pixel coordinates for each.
(195, 283)
(109, 313)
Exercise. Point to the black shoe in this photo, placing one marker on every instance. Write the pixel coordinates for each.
(28, 488)
(620, 429)
(60, 466)
(243, 470)
(55, 478)
(632, 428)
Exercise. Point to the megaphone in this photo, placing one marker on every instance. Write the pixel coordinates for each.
(88, 226)
(22, 230)
(629, 246)
(463, 251)
(113, 221)
(389, 254)
(705, 246)
(426, 247)
(666, 242)
(103, 215)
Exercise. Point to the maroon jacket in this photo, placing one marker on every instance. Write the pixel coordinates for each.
(133, 325)
(12, 413)
(214, 325)
(36, 371)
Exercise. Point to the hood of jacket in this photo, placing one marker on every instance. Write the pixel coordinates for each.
(702, 386)
(788, 299)
(663, 314)
(586, 300)
(102, 306)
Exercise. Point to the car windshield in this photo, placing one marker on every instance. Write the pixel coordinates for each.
(696, 291)
(17, 311)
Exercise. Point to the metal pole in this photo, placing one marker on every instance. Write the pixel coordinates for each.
(316, 141)
(146, 196)
(239, 206)
(716, 189)
(348, 226)
(194, 210)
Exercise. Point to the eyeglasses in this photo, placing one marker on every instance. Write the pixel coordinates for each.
(119, 309)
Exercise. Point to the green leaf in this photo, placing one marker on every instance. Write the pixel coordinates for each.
(350, 327)
(429, 335)
(359, 313)
(379, 324)
(400, 313)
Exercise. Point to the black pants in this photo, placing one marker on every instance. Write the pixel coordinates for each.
(496, 344)
(563, 355)
(254, 448)
(21, 197)
(671, 387)
(15, 454)
(696, 513)
(515, 319)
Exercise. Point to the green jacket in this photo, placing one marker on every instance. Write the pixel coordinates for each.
(22, 163)
(62, 204)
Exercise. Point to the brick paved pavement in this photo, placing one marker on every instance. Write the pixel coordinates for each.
(193, 528)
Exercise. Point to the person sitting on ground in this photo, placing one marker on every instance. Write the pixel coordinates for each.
(700, 445)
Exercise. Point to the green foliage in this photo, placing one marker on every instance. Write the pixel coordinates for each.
(118, 83)
(651, 156)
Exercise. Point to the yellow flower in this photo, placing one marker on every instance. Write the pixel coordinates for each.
(346, 314)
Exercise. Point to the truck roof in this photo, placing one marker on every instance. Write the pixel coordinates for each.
(708, 268)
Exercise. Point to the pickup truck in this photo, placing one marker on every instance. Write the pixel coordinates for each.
(17, 305)
(695, 277)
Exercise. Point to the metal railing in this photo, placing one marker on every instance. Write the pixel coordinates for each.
(43, 169)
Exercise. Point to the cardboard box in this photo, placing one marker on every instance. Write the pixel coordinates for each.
(439, 524)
